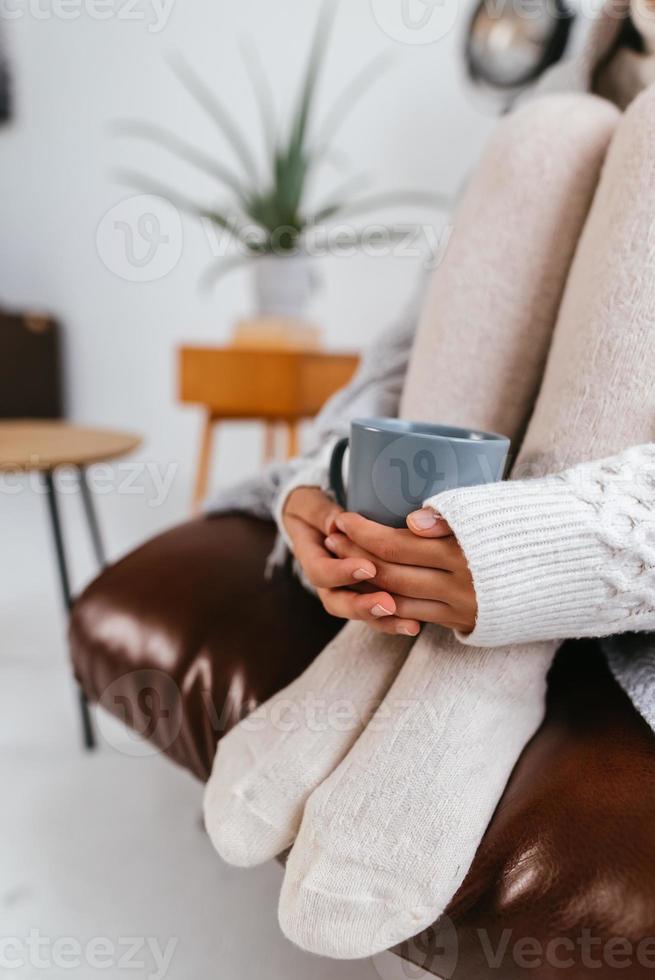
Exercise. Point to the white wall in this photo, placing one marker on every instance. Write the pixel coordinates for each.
(74, 75)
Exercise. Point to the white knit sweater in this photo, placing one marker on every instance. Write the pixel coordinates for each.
(568, 555)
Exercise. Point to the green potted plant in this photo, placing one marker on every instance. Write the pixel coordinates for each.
(267, 216)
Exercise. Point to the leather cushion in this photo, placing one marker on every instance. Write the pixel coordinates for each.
(184, 635)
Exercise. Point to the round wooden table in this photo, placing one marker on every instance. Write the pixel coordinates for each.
(28, 446)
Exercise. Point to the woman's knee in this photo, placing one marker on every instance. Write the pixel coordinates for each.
(637, 127)
(552, 132)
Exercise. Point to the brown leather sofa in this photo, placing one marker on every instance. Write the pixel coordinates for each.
(184, 635)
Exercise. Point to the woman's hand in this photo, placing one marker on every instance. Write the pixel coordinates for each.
(342, 583)
(423, 568)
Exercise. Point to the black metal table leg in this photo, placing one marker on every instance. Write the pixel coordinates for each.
(64, 579)
(92, 518)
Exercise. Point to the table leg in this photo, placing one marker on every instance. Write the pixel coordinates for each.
(64, 579)
(204, 461)
(55, 524)
(269, 442)
(293, 439)
(91, 518)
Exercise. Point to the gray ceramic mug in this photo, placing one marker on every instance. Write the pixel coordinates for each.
(394, 465)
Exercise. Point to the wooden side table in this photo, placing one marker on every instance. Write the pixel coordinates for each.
(43, 446)
(276, 386)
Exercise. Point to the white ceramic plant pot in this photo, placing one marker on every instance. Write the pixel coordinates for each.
(284, 285)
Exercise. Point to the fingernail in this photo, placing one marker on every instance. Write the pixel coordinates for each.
(379, 611)
(423, 519)
(330, 544)
(340, 524)
(361, 573)
(407, 631)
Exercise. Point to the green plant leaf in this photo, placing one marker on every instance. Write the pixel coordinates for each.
(163, 137)
(336, 157)
(387, 199)
(349, 99)
(358, 236)
(215, 109)
(270, 217)
(338, 199)
(293, 163)
(355, 237)
(231, 223)
(262, 90)
(322, 34)
(288, 192)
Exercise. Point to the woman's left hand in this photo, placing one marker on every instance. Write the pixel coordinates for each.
(423, 567)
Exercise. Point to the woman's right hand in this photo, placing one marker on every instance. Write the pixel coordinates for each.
(343, 584)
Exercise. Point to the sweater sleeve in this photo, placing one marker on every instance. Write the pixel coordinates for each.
(313, 473)
(564, 556)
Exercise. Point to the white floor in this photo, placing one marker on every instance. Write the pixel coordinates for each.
(104, 867)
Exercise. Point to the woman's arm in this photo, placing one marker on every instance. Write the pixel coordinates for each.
(564, 556)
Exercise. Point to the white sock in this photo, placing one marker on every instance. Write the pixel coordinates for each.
(268, 765)
(387, 839)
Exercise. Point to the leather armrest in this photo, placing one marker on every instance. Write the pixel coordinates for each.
(185, 635)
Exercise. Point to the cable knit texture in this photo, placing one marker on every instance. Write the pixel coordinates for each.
(563, 556)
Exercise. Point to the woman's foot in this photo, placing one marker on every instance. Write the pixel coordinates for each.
(387, 840)
(268, 765)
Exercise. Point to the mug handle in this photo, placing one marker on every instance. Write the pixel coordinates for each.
(336, 471)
